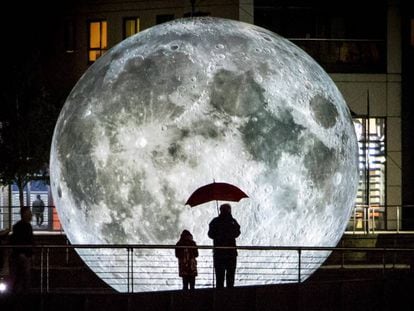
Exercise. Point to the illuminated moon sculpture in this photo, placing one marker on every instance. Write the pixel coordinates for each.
(191, 101)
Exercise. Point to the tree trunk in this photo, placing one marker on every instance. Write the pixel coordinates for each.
(20, 186)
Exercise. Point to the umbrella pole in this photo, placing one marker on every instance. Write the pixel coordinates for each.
(217, 207)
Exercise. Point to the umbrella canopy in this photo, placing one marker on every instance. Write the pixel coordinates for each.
(218, 191)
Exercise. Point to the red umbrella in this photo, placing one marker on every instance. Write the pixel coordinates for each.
(218, 191)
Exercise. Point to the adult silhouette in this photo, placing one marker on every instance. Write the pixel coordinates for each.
(224, 230)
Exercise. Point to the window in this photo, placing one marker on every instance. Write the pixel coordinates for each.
(164, 18)
(345, 37)
(371, 200)
(98, 43)
(131, 26)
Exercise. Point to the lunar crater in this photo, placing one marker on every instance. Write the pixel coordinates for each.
(324, 111)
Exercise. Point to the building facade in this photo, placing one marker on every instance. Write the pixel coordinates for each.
(359, 44)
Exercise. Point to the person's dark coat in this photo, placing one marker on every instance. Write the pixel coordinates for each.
(22, 235)
(38, 206)
(187, 263)
(224, 230)
(3, 235)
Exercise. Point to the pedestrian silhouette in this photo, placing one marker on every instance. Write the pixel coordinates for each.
(187, 263)
(224, 230)
(3, 235)
(21, 257)
(38, 209)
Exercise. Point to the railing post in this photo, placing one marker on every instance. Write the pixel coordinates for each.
(67, 252)
(365, 221)
(132, 270)
(41, 269)
(47, 270)
(299, 264)
(10, 210)
(373, 219)
(128, 290)
(213, 272)
(354, 223)
(398, 219)
(10, 219)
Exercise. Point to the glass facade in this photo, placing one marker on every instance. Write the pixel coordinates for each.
(346, 55)
(347, 37)
(370, 210)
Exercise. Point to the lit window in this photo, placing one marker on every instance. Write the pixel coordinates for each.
(97, 40)
(131, 26)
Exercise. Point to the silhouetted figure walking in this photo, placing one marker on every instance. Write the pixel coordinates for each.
(187, 263)
(224, 230)
(38, 210)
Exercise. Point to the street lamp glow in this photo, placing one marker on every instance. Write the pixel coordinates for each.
(3, 286)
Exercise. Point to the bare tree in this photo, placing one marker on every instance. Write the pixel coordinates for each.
(27, 118)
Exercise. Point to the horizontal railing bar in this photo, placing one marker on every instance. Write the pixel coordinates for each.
(172, 247)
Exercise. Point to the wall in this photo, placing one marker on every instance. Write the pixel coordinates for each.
(116, 10)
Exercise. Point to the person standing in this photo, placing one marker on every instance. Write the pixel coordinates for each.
(187, 263)
(21, 257)
(224, 230)
(38, 209)
(3, 235)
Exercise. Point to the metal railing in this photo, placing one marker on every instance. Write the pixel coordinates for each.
(367, 219)
(371, 219)
(9, 215)
(137, 268)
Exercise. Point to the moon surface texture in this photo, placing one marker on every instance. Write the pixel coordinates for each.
(191, 101)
